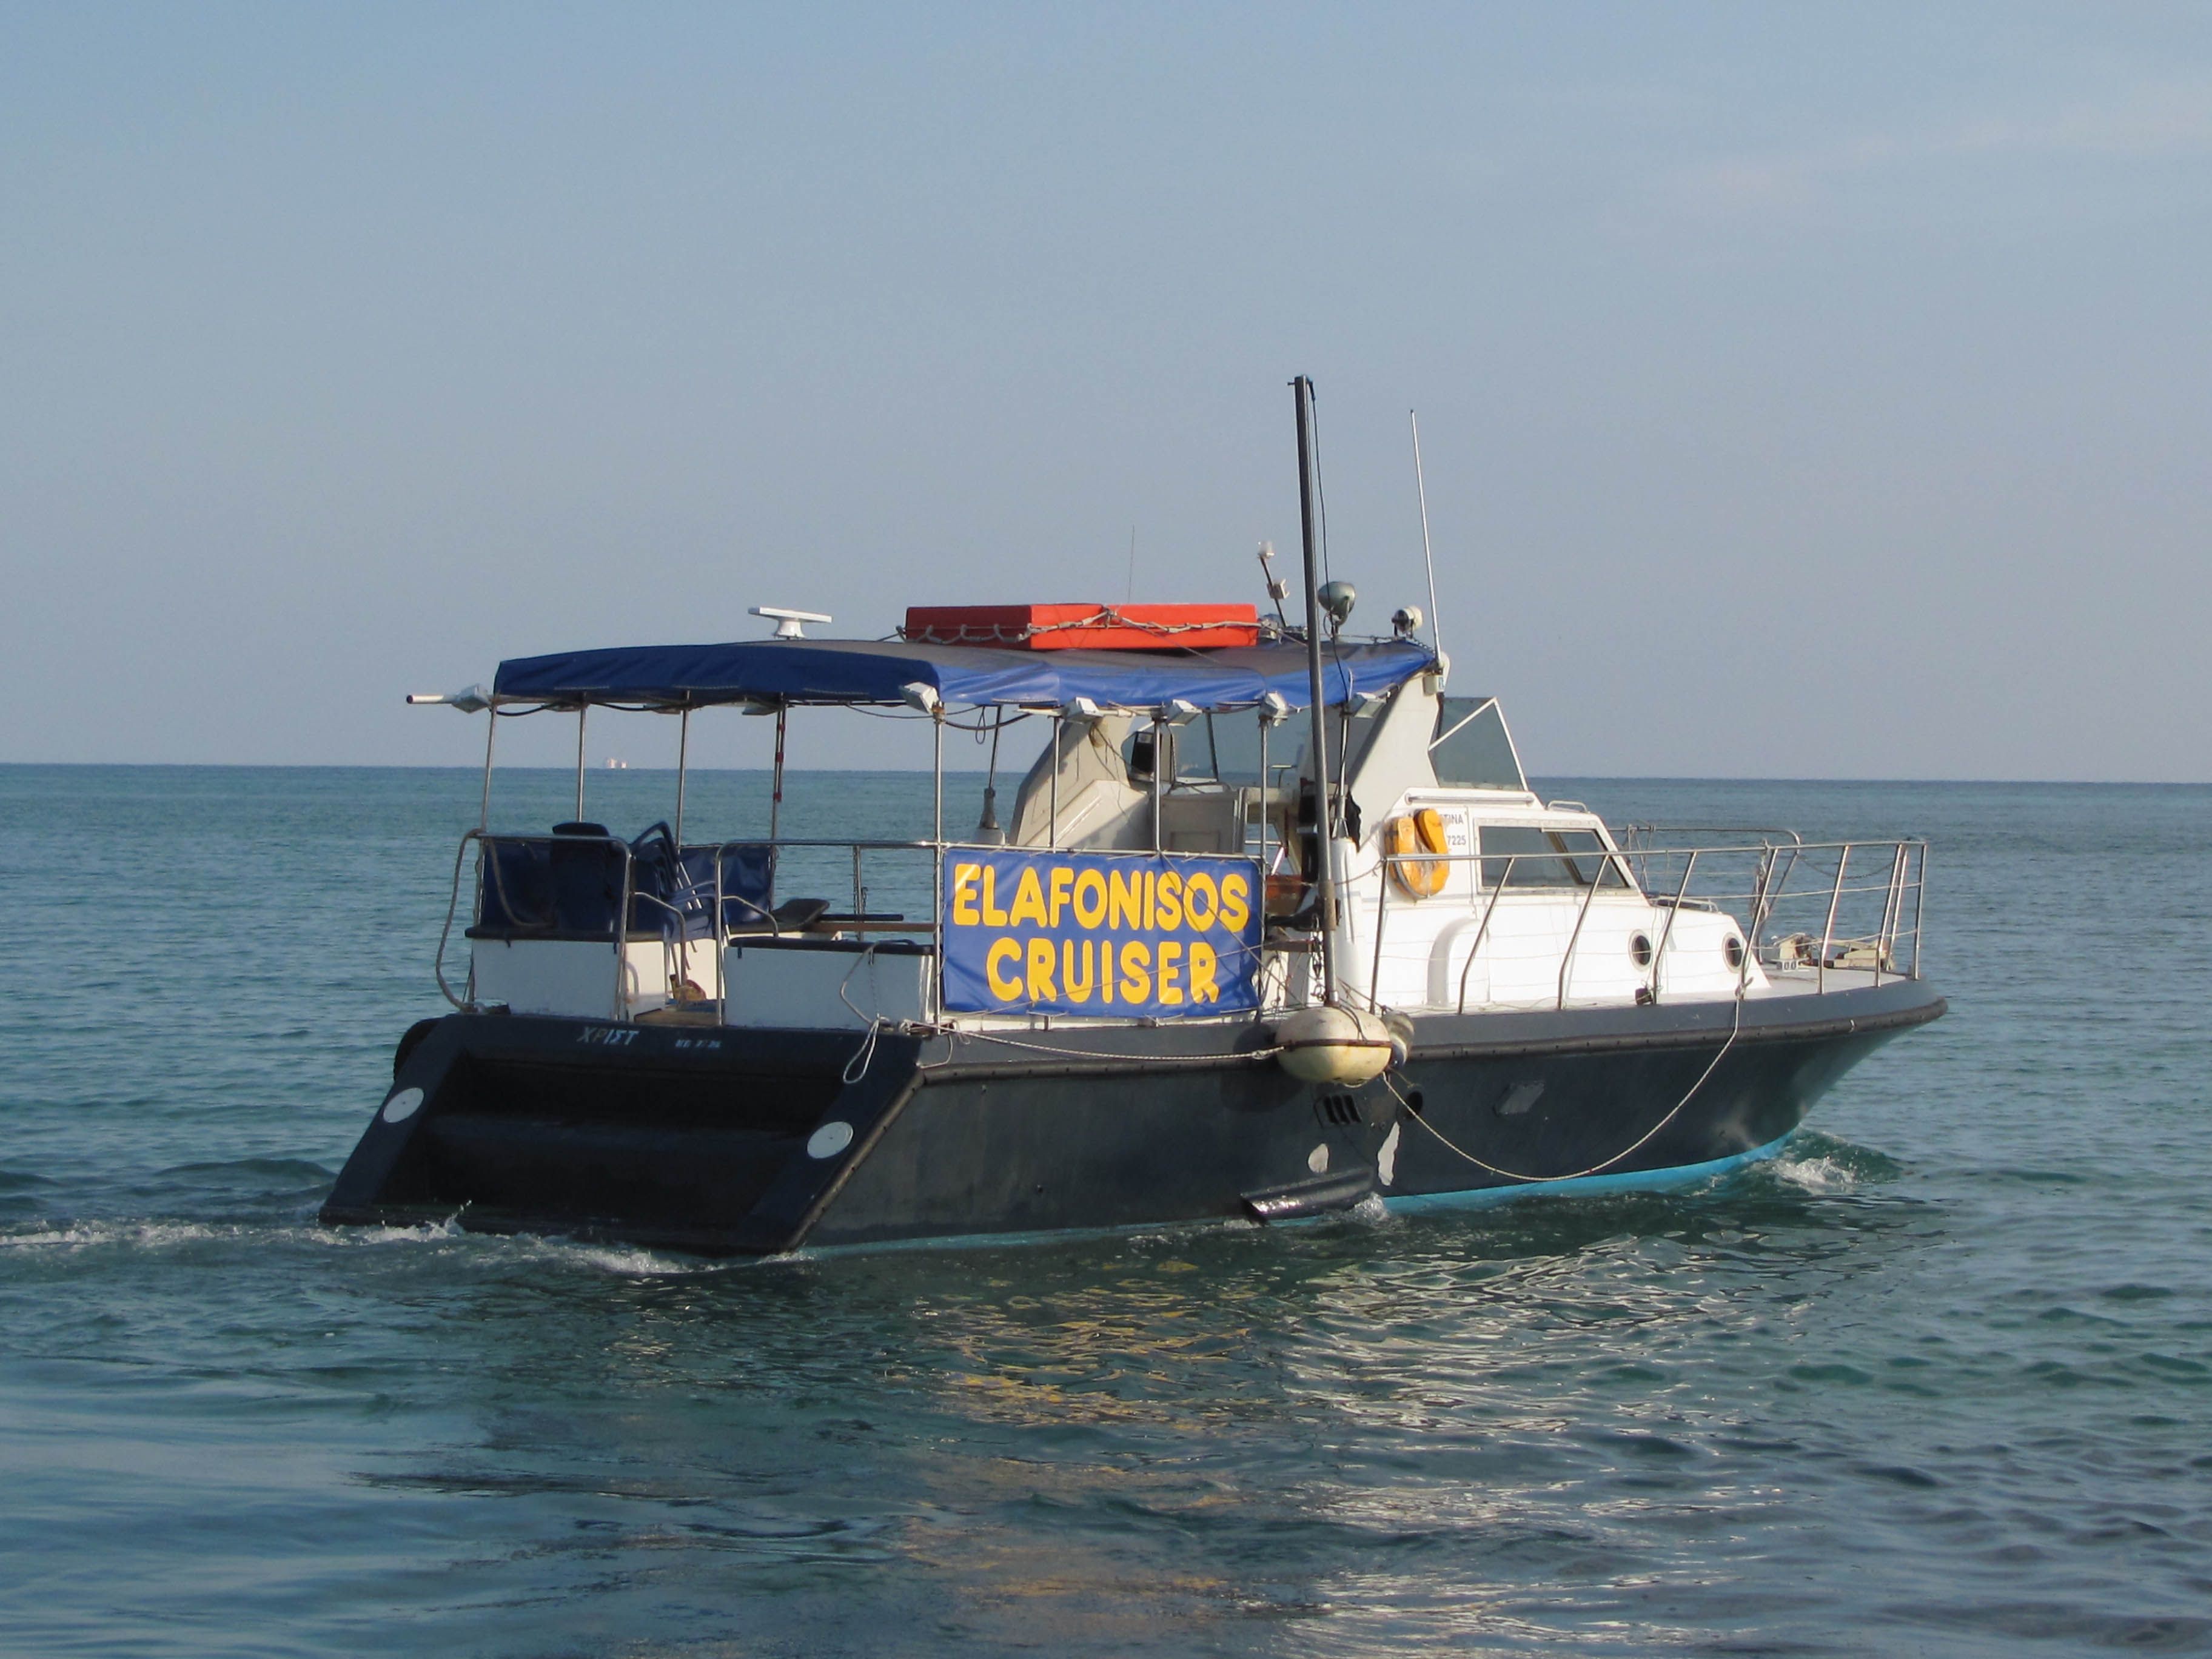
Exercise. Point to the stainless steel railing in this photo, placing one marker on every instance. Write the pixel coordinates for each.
(1861, 904)
(828, 862)
(486, 842)
(1805, 910)
(914, 890)
(1818, 906)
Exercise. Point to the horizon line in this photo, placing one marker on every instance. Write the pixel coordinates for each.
(763, 771)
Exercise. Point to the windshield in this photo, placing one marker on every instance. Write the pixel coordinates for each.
(1472, 749)
(1522, 855)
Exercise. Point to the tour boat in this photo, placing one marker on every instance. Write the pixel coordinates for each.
(1275, 927)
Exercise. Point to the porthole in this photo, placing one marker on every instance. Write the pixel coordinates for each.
(1639, 949)
(1732, 948)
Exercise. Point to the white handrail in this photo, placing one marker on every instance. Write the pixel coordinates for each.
(1766, 893)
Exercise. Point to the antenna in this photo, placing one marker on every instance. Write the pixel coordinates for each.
(788, 622)
(1421, 488)
(1277, 589)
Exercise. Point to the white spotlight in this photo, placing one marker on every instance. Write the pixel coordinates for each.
(470, 700)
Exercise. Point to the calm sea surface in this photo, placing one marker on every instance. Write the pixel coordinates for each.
(1939, 1380)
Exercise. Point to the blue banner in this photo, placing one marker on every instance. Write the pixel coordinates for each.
(1122, 935)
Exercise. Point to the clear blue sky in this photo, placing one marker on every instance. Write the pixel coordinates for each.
(1807, 391)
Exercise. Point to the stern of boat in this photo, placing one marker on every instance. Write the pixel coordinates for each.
(703, 1137)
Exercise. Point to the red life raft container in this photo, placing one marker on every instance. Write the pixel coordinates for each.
(1085, 627)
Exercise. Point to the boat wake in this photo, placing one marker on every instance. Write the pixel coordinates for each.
(621, 1260)
(1824, 1166)
(130, 1235)
(161, 1235)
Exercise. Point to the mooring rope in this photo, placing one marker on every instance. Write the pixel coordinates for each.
(1641, 1142)
(1093, 1053)
(857, 1068)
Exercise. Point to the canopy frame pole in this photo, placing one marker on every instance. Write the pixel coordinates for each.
(682, 759)
(582, 709)
(1263, 716)
(1324, 804)
(1052, 794)
(937, 863)
(491, 729)
(775, 788)
(1159, 754)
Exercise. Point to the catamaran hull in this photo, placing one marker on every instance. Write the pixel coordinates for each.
(729, 1141)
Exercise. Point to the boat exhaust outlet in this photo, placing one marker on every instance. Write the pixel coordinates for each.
(1301, 1198)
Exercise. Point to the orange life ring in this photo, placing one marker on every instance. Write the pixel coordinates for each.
(1416, 832)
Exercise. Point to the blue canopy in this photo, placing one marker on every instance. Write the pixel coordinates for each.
(876, 671)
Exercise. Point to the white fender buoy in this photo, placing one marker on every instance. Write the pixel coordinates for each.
(1343, 1046)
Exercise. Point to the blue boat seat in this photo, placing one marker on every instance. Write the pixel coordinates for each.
(674, 895)
(568, 886)
(791, 916)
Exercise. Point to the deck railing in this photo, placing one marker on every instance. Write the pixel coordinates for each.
(824, 863)
(1816, 906)
(489, 876)
(1806, 909)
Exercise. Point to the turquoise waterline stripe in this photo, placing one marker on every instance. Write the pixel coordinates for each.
(1638, 1181)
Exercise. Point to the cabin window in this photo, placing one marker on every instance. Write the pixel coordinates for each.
(1355, 730)
(1472, 749)
(1197, 751)
(1523, 855)
(1224, 749)
(1231, 743)
(1189, 753)
(1235, 747)
(1139, 752)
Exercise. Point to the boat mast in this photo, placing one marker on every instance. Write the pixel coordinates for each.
(1324, 877)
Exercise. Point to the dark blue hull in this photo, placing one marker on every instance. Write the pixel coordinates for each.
(728, 1141)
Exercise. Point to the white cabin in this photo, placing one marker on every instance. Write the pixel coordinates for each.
(1527, 905)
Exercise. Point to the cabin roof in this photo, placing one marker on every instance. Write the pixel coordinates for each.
(876, 672)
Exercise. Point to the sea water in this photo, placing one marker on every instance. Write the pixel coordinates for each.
(1937, 1379)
